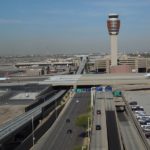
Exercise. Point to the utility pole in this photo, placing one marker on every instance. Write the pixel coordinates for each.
(33, 138)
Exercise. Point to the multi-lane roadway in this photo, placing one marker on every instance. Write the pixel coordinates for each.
(99, 137)
(57, 137)
(129, 133)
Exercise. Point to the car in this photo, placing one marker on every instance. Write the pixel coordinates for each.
(98, 112)
(146, 128)
(144, 117)
(133, 103)
(98, 127)
(147, 134)
(144, 121)
(67, 120)
(147, 76)
(77, 101)
(69, 131)
(140, 112)
(83, 134)
(137, 108)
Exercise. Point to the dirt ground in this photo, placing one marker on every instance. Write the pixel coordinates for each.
(8, 112)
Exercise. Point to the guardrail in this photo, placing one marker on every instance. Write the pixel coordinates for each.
(143, 138)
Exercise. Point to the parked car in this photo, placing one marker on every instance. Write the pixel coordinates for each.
(146, 128)
(144, 117)
(140, 112)
(133, 103)
(137, 108)
(147, 134)
(144, 122)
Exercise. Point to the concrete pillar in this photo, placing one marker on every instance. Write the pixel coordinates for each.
(114, 49)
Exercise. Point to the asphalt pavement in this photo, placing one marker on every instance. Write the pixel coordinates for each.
(99, 137)
(57, 137)
(129, 133)
(142, 97)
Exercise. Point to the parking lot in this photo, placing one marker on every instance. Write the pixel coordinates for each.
(142, 97)
(140, 104)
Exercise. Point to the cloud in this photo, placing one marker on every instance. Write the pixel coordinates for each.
(10, 21)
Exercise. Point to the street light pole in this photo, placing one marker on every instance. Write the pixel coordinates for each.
(56, 109)
(83, 147)
(88, 133)
(33, 138)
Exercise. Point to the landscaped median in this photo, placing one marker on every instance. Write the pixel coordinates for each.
(84, 121)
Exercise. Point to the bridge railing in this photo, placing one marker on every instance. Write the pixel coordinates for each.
(12, 125)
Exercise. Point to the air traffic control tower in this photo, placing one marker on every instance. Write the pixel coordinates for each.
(113, 25)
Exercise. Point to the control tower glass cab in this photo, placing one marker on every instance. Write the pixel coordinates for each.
(113, 24)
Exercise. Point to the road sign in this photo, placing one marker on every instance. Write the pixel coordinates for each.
(98, 88)
(108, 88)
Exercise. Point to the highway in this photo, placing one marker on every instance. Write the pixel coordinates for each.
(109, 136)
(91, 79)
(102, 79)
(99, 137)
(12, 125)
(113, 134)
(129, 133)
(56, 137)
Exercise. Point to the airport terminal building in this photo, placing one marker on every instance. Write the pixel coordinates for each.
(129, 63)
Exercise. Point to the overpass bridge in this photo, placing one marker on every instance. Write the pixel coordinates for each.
(11, 127)
(96, 79)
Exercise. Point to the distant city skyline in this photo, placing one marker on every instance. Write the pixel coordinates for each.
(66, 27)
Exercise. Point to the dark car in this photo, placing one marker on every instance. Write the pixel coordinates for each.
(69, 131)
(98, 112)
(142, 122)
(147, 134)
(67, 120)
(133, 103)
(98, 127)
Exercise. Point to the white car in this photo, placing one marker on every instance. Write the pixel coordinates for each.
(144, 117)
(146, 128)
(140, 112)
(147, 76)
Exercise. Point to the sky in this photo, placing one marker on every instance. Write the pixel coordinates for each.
(71, 26)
